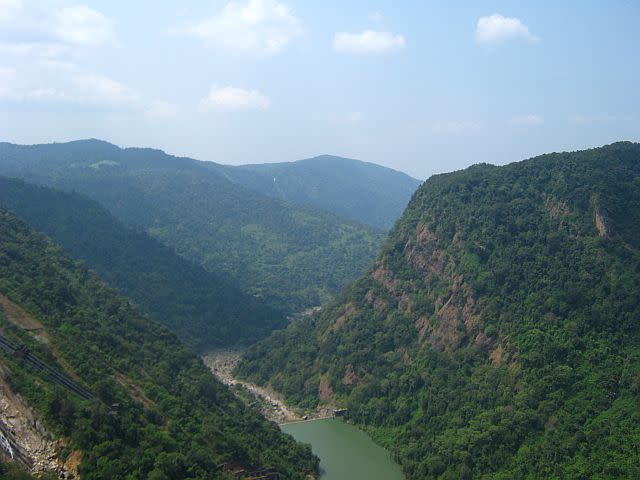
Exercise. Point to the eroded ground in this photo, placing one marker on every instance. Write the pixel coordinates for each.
(269, 402)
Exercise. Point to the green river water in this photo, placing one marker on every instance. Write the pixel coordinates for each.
(345, 452)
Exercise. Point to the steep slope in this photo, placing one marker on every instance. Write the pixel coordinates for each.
(205, 310)
(361, 191)
(498, 334)
(156, 412)
(292, 256)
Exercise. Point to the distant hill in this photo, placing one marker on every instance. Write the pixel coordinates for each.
(360, 191)
(153, 410)
(497, 336)
(292, 256)
(204, 309)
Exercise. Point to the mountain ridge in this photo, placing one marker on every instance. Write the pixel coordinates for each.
(377, 206)
(496, 334)
(354, 189)
(293, 256)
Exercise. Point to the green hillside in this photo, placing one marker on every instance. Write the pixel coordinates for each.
(360, 191)
(498, 334)
(204, 309)
(158, 413)
(292, 256)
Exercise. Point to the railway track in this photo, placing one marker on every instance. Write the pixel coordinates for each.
(20, 352)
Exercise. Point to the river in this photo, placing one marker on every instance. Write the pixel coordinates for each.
(345, 452)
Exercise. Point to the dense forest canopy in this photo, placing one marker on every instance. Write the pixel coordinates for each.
(291, 256)
(203, 308)
(360, 191)
(158, 413)
(498, 333)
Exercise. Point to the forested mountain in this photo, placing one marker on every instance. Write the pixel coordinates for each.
(156, 412)
(204, 309)
(293, 256)
(498, 333)
(360, 191)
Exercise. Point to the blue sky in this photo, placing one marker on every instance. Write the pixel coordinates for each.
(422, 87)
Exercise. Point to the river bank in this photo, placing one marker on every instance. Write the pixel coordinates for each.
(269, 402)
(344, 450)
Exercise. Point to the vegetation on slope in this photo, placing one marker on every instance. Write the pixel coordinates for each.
(497, 335)
(158, 413)
(205, 310)
(364, 192)
(11, 471)
(292, 256)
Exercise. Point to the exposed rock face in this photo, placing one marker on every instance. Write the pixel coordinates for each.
(377, 303)
(456, 316)
(325, 392)
(350, 376)
(32, 444)
(16, 315)
(557, 209)
(603, 224)
(349, 311)
(497, 355)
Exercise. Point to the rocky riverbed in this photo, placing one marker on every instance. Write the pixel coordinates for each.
(269, 402)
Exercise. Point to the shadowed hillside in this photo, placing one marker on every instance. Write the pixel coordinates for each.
(291, 256)
(204, 309)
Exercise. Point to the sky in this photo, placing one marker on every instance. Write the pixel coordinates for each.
(420, 86)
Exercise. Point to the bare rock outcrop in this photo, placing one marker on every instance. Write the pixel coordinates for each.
(29, 442)
(603, 223)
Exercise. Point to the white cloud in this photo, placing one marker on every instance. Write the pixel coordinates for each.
(368, 42)
(55, 81)
(229, 99)
(98, 89)
(257, 26)
(82, 25)
(497, 29)
(527, 120)
(42, 34)
(39, 30)
(51, 82)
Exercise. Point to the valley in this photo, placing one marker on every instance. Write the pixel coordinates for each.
(60, 324)
(296, 240)
(343, 449)
(498, 317)
(288, 255)
(270, 403)
(222, 362)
